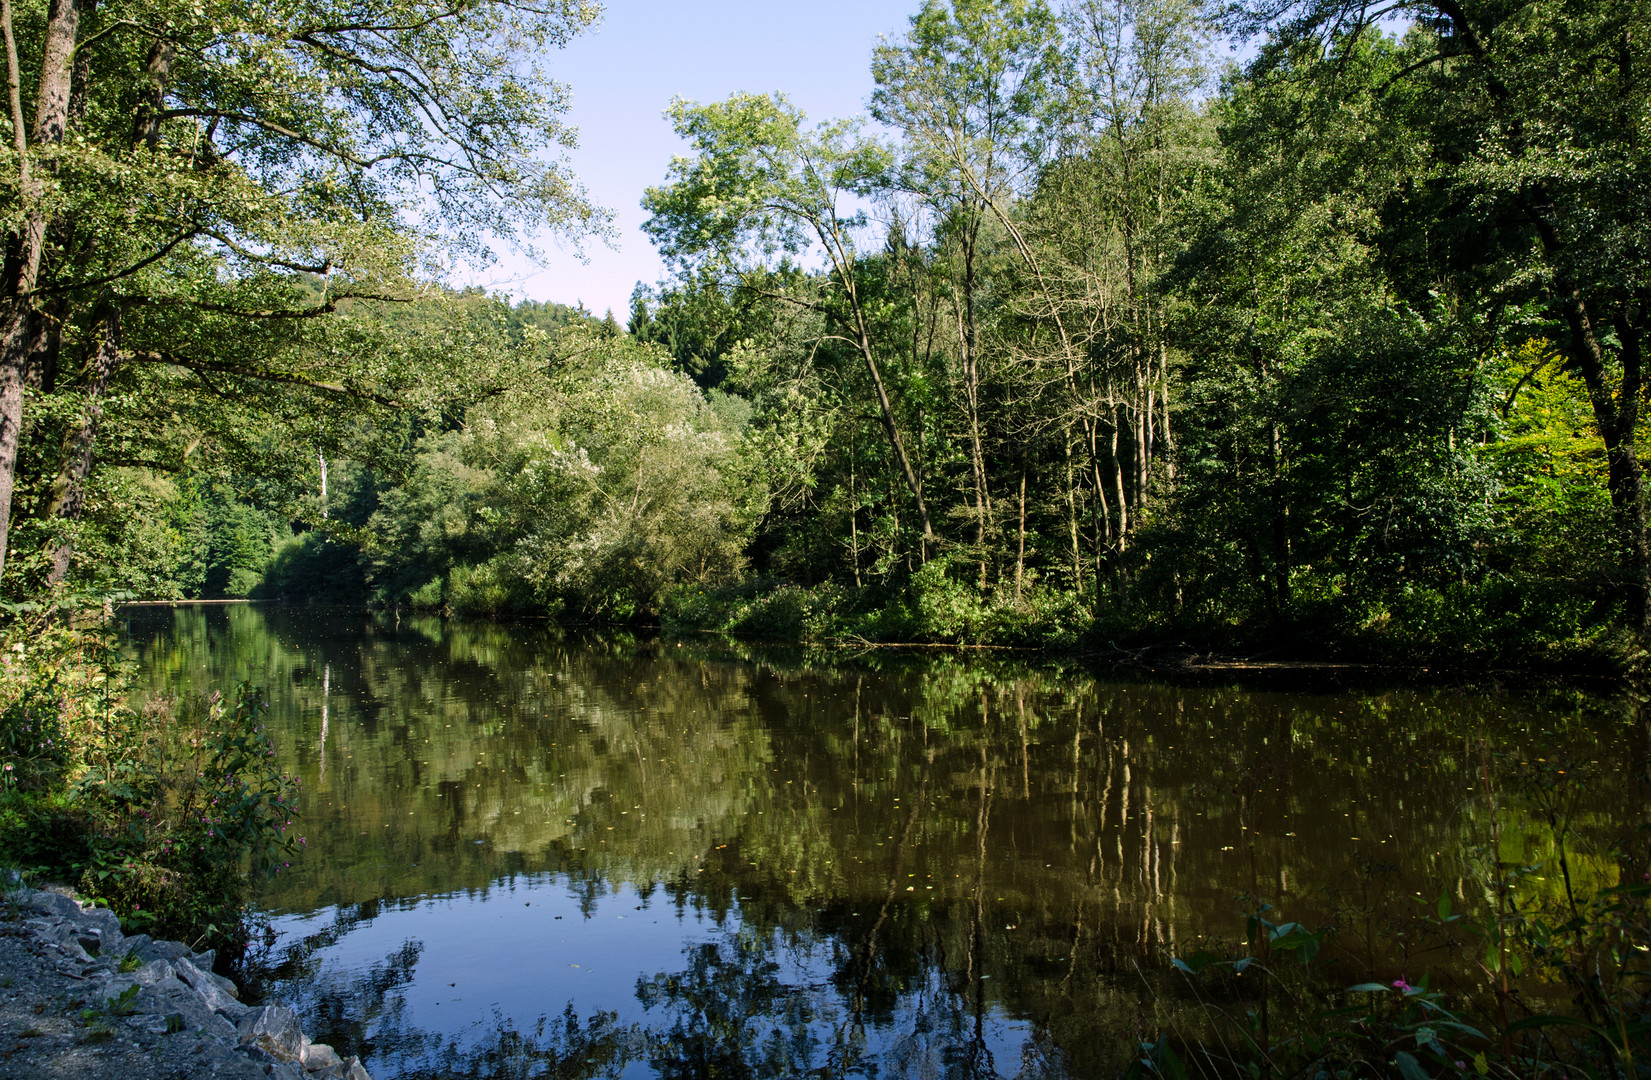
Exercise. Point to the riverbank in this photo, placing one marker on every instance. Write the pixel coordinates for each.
(1436, 633)
(78, 998)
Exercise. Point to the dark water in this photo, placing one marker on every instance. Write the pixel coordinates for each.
(532, 854)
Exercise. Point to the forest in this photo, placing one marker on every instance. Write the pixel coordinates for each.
(1305, 327)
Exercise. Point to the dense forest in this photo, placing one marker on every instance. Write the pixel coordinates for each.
(1088, 333)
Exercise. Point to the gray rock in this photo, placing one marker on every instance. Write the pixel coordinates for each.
(71, 947)
(287, 1070)
(354, 1070)
(166, 950)
(219, 1061)
(100, 921)
(274, 1030)
(153, 972)
(210, 992)
(135, 943)
(196, 1015)
(335, 1072)
(50, 903)
(146, 977)
(153, 1025)
(146, 1002)
(226, 985)
(318, 1056)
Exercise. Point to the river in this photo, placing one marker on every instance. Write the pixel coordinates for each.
(532, 853)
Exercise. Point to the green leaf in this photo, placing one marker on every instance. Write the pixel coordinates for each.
(1409, 1067)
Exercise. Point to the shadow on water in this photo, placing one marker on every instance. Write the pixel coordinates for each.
(539, 854)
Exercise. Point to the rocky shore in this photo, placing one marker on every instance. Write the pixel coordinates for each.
(80, 999)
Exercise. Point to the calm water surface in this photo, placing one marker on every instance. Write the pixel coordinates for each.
(533, 854)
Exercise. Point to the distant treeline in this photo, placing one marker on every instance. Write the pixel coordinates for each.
(1106, 343)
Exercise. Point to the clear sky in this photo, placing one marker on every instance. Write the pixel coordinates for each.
(647, 51)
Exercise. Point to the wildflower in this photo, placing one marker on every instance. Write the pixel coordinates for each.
(1400, 984)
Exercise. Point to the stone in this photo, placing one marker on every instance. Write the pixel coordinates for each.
(166, 950)
(319, 1056)
(66, 941)
(153, 972)
(50, 903)
(286, 1070)
(210, 992)
(187, 1003)
(218, 1061)
(149, 976)
(274, 1030)
(100, 921)
(354, 1070)
(135, 943)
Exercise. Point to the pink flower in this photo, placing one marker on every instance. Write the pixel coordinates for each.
(1400, 984)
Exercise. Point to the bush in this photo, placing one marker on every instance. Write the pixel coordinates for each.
(161, 811)
(937, 606)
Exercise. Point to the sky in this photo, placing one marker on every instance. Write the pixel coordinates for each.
(644, 53)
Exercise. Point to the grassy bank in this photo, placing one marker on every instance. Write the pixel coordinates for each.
(1473, 628)
(163, 809)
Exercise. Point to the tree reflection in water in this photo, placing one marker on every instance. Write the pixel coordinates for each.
(882, 866)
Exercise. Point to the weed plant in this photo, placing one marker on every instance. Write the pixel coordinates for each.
(1545, 973)
(161, 809)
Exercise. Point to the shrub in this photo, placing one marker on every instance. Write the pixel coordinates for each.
(160, 811)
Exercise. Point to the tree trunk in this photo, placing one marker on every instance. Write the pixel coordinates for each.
(971, 394)
(1616, 412)
(1020, 553)
(68, 494)
(17, 307)
(1280, 522)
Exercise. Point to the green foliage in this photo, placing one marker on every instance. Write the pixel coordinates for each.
(587, 491)
(1543, 911)
(161, 810)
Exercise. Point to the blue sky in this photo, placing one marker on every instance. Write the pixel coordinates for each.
(644, 53)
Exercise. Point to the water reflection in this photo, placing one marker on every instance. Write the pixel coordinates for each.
(533, 855)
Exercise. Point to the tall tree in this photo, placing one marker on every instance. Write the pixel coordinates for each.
(964, 87)
(761, 187)
(1532, 117)
(224, 160)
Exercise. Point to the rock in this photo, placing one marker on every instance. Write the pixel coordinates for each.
(166, 950)
(226, 985)
(184, 1001)
(150, 975)
(354, 1070)
(210, 992)
(135, 943)
(318, 1056)
(288, 1070)
(67, 941)
(153, 972)
(50, 903)
(102, 922)
(274, 1030)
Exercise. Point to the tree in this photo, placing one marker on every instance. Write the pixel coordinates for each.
(965, 87)
(257, 168)
(760, 186)
(1530, 115)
